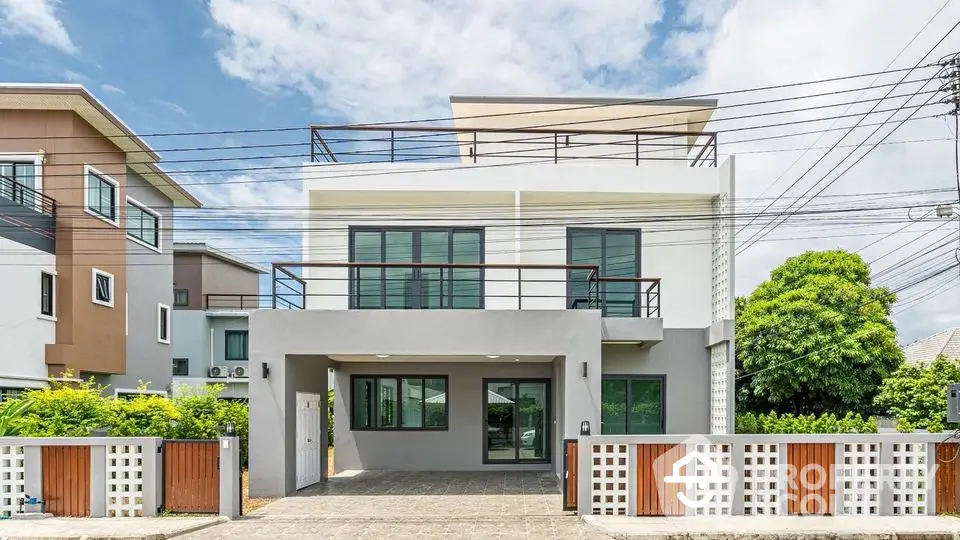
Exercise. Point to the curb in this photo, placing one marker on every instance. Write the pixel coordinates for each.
(157, 536)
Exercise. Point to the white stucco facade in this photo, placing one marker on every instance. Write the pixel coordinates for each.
(24, 331)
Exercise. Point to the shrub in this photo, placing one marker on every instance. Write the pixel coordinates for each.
(787, 423)
(917, 395)
(64, 410)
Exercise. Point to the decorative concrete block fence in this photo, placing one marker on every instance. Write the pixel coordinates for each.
(116, 476)
(676, 475)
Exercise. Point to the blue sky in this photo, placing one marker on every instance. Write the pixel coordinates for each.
(192, 65)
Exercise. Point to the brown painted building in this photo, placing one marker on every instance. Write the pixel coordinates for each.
(86, 221)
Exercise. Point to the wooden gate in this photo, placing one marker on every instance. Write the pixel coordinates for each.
(654, 496)
(570, 474)
(948, 471)
(191, 476)
(810, 472)
(66, 480)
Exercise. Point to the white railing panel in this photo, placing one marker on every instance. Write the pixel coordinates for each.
(860, 474)
(12, 479)
(761, 479)
(609, 481)
(124, 480)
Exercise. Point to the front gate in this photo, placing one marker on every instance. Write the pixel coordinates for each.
(66, 480)
(191, 476)
(570, 474)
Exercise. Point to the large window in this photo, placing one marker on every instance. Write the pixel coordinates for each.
(421, 287)
(236, 344)
(632, 404)
(617, 253)
(398, 402)
(101, 195)
(143, 224)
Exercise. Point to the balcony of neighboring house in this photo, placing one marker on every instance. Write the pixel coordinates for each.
(27, 215)
(225, 303)
(629, 305)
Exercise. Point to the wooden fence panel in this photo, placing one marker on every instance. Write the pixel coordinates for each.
(948, 469)
(191, 476)
(810, 489)
(66, 480)
(651, 470)
(570, 474)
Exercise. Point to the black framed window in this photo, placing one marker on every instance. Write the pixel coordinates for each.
(236, 344)
(181, 367)
(102, 288)
(398, 402)
(101, 196)
(632, 404)
(617, 253)
(181, 297)
(163, 323)
(143, 224)
(46, 294)
(421, 287)
(14, 177)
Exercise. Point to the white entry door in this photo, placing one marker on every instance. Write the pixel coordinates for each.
(310, 438)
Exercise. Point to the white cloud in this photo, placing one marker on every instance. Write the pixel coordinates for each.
(36, 19)
(387, 60)
(112, 89)
(173, 107)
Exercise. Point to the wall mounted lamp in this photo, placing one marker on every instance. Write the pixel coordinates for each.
(264, 370)
(584, 370)
(585, 427)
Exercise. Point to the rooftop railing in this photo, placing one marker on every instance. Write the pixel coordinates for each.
(405, 143)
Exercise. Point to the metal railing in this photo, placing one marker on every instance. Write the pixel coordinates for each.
(27, 197)
(401, 285)
(236, 301)
(400, 143)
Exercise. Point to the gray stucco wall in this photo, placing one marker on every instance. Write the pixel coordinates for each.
(149, 283)
(684, 359)
(281, 338)
(458, 448)
(192, 341)
(220, 324)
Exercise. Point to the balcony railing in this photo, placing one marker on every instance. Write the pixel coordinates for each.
(236, 301)
(395, 285)
(404, 143)
(27, 197)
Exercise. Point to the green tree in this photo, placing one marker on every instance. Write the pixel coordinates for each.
(917, 395)
(816, 337)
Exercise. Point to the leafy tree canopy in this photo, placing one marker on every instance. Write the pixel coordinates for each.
(815, 337)
(917, 395)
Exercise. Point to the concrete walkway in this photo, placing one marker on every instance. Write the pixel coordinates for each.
(780, 528)
(104, 528)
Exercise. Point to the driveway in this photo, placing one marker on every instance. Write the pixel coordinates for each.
(416, 505)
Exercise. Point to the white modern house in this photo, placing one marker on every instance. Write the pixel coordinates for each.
(544, 267)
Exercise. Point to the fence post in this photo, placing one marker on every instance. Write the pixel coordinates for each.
(585, 476)
(783, 483)
(152, 476)
(886, 478)
(32, 471)
(838, 478)
(931, 479)
(98, 480)
(739, 467)
(230, 477)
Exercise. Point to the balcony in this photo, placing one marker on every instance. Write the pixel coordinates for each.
(235, 302)
(27, 216)
(406, 143)
(393, 285)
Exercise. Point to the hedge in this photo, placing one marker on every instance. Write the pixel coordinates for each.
(787, 423)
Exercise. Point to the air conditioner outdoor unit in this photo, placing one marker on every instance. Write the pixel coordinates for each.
(218, 372)
(239, 371)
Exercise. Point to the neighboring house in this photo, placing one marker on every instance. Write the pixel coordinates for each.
(479, 311)
(213, 294)
(86, 221)
(926, 350)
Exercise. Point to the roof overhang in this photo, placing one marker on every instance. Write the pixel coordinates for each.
(204, 249)
(140, 157)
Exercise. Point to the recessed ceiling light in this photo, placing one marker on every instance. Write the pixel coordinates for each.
(383, 356)
(516, 359)
(493, 356)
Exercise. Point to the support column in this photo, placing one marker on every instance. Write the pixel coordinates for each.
(230, 477)
(886, 478)
(837, 479)
(783, 484)
(98, 481)
(32, 472)
(585, 477)
(152, 481)
(738, 467)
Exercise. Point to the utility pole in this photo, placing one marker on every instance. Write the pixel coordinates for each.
(950, 67)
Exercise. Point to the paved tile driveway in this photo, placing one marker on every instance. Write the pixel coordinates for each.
(416, 505)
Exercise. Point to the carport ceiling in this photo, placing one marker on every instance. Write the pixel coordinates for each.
(445, 359)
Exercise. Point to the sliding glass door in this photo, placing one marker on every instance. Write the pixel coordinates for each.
(516, 421)
(617, 253)
(416, 286)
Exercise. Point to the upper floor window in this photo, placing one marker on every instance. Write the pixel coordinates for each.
(102, 288)
(47, 294)
(236, 344)
(163, 324)
(181, 297)
(18, 180)
(143, 224)
(617, 253)
(101, 195)
(417, 286)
